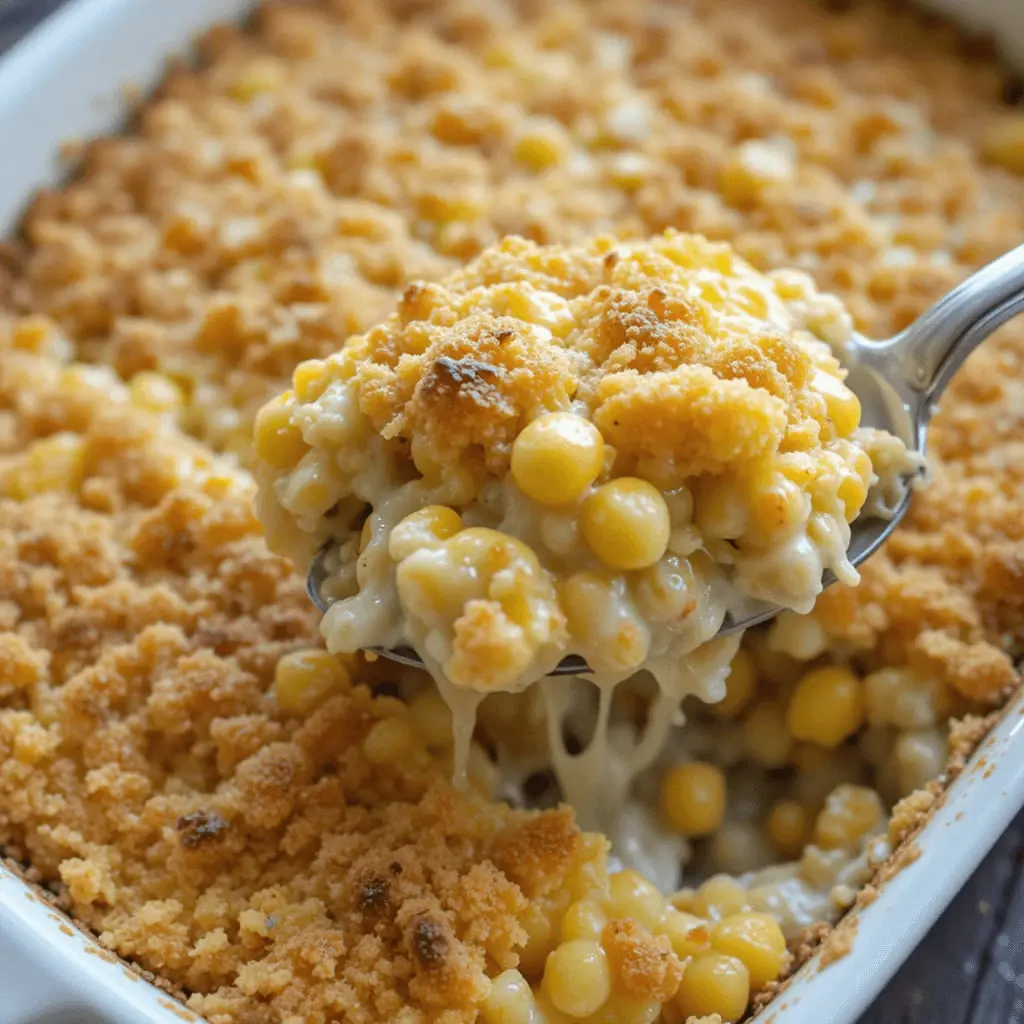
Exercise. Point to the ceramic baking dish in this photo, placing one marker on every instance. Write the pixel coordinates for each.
(68, 81)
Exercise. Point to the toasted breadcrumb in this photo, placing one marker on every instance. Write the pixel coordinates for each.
(240, 852)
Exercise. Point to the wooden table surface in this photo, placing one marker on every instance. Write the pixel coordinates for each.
(970, 967)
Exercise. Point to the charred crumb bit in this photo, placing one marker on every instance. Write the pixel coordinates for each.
(215, 638)
(200, 827)
(430, 942)
(464, 376)
(374, 895)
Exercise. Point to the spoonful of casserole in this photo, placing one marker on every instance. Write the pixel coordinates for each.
(602, 458)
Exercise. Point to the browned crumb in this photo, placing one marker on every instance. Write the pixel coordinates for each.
(236, 851)
(643, 963)
(839, 941)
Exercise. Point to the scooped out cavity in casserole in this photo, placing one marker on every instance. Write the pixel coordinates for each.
(596, 451)
(273, 829)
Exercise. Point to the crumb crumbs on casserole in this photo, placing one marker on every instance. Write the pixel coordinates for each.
(280, 198)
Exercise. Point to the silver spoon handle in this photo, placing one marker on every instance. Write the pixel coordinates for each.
(935, 345)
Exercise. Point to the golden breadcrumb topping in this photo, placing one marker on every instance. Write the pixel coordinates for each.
(684, 356)
(149, 772)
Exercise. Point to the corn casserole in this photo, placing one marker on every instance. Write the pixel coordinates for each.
(272, 829)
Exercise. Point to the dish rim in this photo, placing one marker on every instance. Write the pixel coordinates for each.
(138, 36)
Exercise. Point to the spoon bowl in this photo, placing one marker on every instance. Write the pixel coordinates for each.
(898, 382)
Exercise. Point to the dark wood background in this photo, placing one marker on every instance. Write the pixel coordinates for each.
(970, 967)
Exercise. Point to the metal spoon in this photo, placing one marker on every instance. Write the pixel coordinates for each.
(898, 382)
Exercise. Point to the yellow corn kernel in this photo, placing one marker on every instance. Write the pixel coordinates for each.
(788, 827)
(156, 393)
(577, 978)
(310, 379)
(765, 734)
(721, 510)
(432, 719)
(303, 680)
(716, 898)
(714, 983)
(688, 934)
(740, 846)
(626, 523)
(693, 798)
(777, 509)
(389, 741)
(557, 457)
(510, 1000)
(583, 920)
(740, 685)
(841, 404)
(850, 813)
(542, 146)
(421, 528)
(826, 707)
(623, 1008)
(589, 875)
(603, 622)
(259, 75)
(55, 463)
(853, 490)
(278, 439)
(757, 940)
(538, 921)
(1003, 143)
(630, 895)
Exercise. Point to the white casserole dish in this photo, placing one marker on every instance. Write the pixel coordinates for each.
(66, 81)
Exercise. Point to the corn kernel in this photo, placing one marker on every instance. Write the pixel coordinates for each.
(765, 734)
(55, 463)
(716, 898)
(421, 528)
(630, 895)
(278, 439)
(626, 523)
(603, 622)
(510, 1000)
(577, 978)
(541, 146)
(714, 983)
(389, 741)
(538, 921)
(740, 685)
(826, 707)
(693, 798)
(557, 457)
(841, 404)
(757, 940)
(583, 920)
(305, 679)
(156, 393)
(850, 814)
(687, 933)
(310, 379)
(259, 76)
(721, 510)
(777, 509)
(853, 489)
(788, 827)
